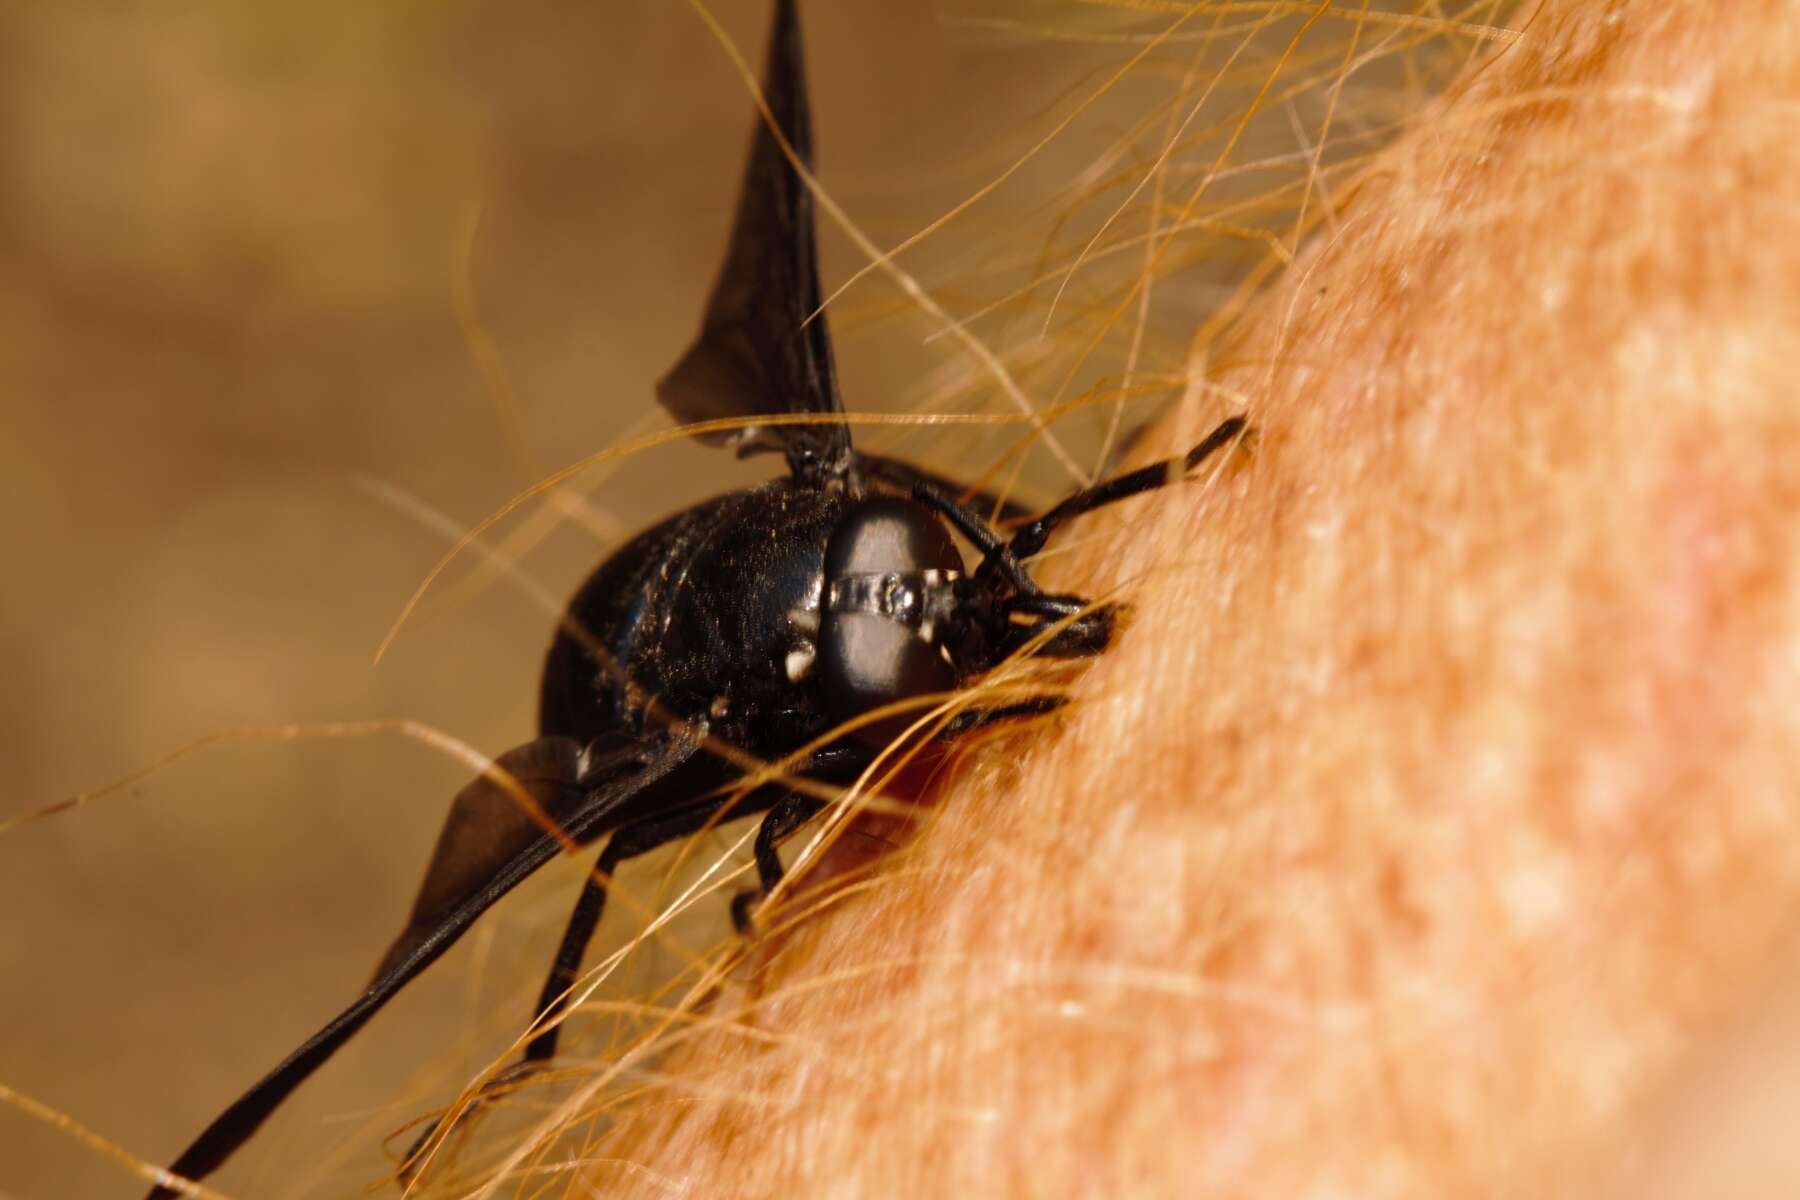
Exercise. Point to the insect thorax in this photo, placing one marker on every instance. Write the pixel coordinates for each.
(714, 612)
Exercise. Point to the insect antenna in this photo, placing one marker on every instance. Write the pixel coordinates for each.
(1029, 539)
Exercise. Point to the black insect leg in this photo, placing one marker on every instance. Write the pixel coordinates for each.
(1028, 540)
(1088, 629)
(797, 809)
(782, 820)
(980, 534)
(839, 763)
(1001, 714)
(743, 906)
(1079, 629)
(567, 965)
(1076, 628)
(628, 843)
(1085, 630)
(787, 816)
(1006, 554)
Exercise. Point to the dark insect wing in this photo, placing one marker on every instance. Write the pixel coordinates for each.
(756, 354)
(583, 792)
(489, 824)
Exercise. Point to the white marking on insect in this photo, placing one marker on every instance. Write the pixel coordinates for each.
(800, 661)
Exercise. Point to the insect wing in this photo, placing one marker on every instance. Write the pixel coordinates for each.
(489, 822)
(459, 887)
(756, 353)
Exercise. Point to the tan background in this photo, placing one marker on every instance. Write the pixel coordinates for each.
(227, 242)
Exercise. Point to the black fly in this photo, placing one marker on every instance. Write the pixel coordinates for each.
(763, 619)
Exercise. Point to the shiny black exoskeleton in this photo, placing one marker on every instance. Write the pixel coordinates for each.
(741, 631)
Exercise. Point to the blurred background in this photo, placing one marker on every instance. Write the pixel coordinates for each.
(240, 246)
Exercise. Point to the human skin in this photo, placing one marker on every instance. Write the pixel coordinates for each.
(1429, 831)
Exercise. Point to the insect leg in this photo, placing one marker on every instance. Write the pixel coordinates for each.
(628, 843)
(782, 820)
(457, 892)
(1086, 632)
(567, 965)
(1031, 538)
(839, 763)
(993, 547)
(981, 718)
(1078, 628)
(787, 816)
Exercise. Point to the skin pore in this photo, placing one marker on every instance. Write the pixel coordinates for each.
(1430, 831)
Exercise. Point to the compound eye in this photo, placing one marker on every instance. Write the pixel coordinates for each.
(888, 568)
